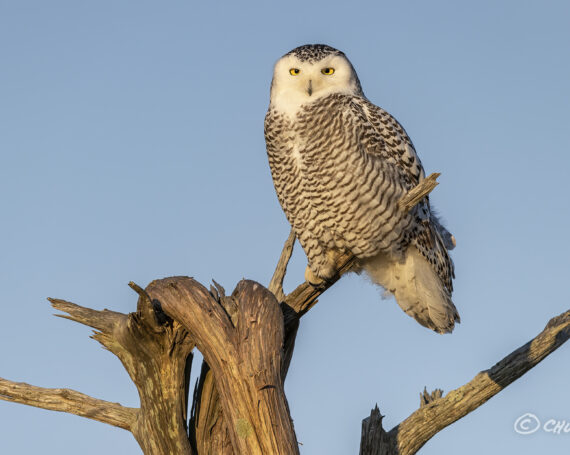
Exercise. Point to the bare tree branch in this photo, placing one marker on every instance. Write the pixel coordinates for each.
(410, 435)
(426, 397)
(210, 423)
(70, 401)
(240, 405)
(276, 283)
(101, 320)
(247, 340)
(304, 297)
(245, 358)
(420, 191)
(374, 440)
(156, 352)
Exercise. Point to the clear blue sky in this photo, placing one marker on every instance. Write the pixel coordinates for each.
(131, 148)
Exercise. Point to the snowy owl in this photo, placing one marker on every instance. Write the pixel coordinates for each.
(340, 165)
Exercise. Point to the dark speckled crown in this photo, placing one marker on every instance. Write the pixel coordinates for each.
(314, 52)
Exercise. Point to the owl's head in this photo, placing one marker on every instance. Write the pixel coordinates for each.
(308, 73)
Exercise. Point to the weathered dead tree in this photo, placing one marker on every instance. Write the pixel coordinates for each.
(247, 341)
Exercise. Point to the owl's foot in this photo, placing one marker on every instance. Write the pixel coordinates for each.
(321, 277)
(313, 279)
(322, 268)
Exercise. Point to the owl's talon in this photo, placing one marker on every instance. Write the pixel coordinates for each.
(313, 279)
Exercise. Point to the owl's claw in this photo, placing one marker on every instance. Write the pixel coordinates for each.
(312, 279)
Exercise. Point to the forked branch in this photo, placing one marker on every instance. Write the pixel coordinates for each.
(157, 355)
(245, 357)
(410, 435)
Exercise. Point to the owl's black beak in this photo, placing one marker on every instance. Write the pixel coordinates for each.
(310, 88)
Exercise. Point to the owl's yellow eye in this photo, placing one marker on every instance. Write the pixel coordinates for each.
(327, 71)
(294, 71)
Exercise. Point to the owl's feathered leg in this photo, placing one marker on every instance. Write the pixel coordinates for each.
(313, 279)
(416, 287)
(321, 267)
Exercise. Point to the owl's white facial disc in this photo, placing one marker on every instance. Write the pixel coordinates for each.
(297, 82)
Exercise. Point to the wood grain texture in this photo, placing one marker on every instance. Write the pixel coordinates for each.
(305, 296)
(245, 359)
(416, 194)
(247, 339)
(276, 283)
(438, 412)
(156, 353)
(70, 401)
(212, 434)
(374, 440)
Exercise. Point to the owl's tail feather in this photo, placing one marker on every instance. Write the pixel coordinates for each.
(416, 287)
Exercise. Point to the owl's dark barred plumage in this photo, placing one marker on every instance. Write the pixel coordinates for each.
(340, 165)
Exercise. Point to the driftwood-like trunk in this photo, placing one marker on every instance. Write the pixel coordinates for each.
(241, 342)
(247, 341)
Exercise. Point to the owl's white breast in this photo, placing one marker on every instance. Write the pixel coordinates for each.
(290, 102)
